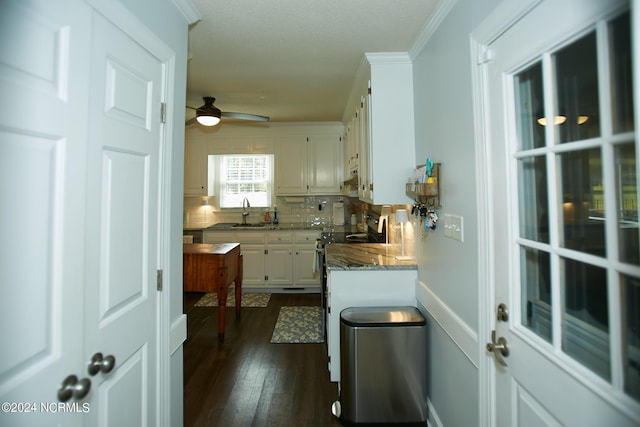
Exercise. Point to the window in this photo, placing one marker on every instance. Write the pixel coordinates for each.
(578, 202)
(235, 177)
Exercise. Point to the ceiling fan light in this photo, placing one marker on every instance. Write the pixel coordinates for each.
(208, 114)
(557, 120)
(208, 120)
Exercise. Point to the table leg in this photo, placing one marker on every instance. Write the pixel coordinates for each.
(239, 288)
(222, 307)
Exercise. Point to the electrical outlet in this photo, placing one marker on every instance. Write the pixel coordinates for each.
(454, 227)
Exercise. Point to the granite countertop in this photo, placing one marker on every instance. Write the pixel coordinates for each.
(365, 256)
(268, 227)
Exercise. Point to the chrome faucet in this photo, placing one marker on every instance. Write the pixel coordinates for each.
(245, 214)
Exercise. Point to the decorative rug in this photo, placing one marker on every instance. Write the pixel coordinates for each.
(298, 325)
(248, 300)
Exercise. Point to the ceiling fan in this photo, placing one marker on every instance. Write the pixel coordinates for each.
(210, 115)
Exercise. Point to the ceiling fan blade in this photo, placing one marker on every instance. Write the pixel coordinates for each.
(190, 122)
(245, 116)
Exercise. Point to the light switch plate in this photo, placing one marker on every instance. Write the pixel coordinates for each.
(454, 227)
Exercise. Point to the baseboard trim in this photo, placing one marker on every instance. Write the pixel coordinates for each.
(460, 333)
(433, 420)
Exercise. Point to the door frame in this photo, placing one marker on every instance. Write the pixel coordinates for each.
(166, 342)
(505, 15)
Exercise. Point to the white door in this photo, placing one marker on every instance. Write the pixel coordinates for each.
(43, 127)
(79, 154)
(563, 150)
(122, 226)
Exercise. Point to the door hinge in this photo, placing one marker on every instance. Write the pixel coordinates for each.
(485, 56)
(163, 112)
(159, 280)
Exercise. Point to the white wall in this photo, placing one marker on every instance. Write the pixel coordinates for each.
(447, 269)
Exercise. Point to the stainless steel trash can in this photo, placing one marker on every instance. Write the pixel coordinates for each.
(383, 365)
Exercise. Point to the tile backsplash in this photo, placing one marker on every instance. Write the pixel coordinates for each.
(314, 210)
(307, 210)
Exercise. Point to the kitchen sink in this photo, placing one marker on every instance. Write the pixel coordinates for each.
(223, 225)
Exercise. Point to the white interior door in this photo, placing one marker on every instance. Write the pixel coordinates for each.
(44, 85)
(122, 230)
(564, 179)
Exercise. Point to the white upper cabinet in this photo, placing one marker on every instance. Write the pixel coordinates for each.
(291, 166)
(195, 164)
(308, 156)
(325, 164)
(380, 118)
(309, 165)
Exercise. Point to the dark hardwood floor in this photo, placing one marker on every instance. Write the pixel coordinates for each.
(247, 381)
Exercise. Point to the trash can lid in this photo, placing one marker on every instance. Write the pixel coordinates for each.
(382, 316)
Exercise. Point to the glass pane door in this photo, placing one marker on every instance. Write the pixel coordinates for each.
(578, 238)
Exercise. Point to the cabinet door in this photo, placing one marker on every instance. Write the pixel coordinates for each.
(351, 146)
(291, 166)
(253, 265)
(303, 274)
(280, 265)
(195, 165)
(365, 183)
(325, 164)
(389, 113)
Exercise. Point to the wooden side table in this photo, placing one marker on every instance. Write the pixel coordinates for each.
(213, 268)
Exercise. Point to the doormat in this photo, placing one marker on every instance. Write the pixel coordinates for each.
(298, 325)
(248, 300)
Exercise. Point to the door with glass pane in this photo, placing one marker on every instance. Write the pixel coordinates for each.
(567, 266)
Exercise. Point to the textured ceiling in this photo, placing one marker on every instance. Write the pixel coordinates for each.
(292, 60)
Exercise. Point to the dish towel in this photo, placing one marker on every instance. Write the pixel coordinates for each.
(316, 258)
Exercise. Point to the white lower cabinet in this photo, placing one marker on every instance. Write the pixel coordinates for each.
(306, 272)
(280, 258)
(274, 259)
(363, 288)
(253, 265)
